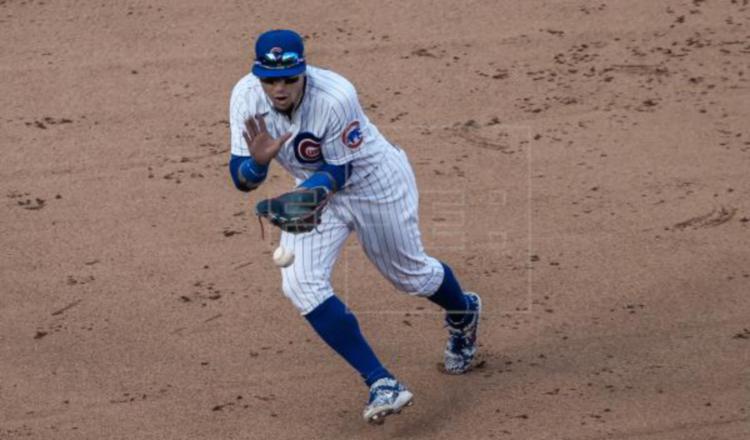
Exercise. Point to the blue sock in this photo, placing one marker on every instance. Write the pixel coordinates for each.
(451, 297)
(340, 330)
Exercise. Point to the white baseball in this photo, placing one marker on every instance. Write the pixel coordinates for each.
(283, 257)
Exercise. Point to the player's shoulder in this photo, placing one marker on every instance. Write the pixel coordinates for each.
(247, 85)
(331, 86)
(324, 78)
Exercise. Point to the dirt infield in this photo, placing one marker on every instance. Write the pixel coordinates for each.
(595, 160)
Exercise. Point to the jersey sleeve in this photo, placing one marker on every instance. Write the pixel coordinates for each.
(344, 140)
(239, 110)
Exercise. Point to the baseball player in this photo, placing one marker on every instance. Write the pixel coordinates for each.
(349, 179)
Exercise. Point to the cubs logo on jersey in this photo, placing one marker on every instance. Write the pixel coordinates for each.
(352, 135)
(307, 148)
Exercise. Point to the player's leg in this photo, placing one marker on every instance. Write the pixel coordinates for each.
(338, 327)
(307, 284)
(388, 228)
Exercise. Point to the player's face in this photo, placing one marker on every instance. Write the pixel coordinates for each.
(284, 93)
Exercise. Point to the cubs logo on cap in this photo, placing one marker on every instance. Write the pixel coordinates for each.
(279, 53)
(352, 135)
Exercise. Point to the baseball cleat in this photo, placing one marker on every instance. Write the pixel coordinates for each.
(461, 347)
(387, 396)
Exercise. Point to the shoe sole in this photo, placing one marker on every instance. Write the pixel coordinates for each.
(378, 418)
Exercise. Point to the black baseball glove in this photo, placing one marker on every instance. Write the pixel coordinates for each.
(297, 211)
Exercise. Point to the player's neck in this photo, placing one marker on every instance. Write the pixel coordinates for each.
(288, 113)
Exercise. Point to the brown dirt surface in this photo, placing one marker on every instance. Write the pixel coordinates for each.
(582, 164)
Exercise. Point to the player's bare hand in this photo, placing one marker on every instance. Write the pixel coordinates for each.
(263, 147)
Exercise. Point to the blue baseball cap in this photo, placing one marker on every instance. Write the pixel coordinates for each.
(279, 53)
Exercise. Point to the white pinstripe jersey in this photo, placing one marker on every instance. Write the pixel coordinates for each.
(329, 125)
(382, 208)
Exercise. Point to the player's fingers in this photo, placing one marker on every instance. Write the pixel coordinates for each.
(261, 123)
(252, 129)
(278, 143)
(283, 138)
(247, 138)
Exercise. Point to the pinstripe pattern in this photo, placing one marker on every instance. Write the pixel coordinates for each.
(330, 103)
(388, 227)
(383, 211)
(380, 200)
(307, 282)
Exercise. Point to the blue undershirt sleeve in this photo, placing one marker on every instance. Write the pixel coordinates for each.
(330, 176)
(246, 173)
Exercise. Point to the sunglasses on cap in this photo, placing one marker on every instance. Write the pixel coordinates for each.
(277, 60)
(285, 79)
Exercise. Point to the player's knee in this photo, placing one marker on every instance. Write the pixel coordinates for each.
(293, 287)
(404, 281)
(305, 293)
(288, 287)
(417, 279)
(406, 286)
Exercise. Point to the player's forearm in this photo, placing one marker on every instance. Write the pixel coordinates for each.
(330, 176)
(246, 173)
